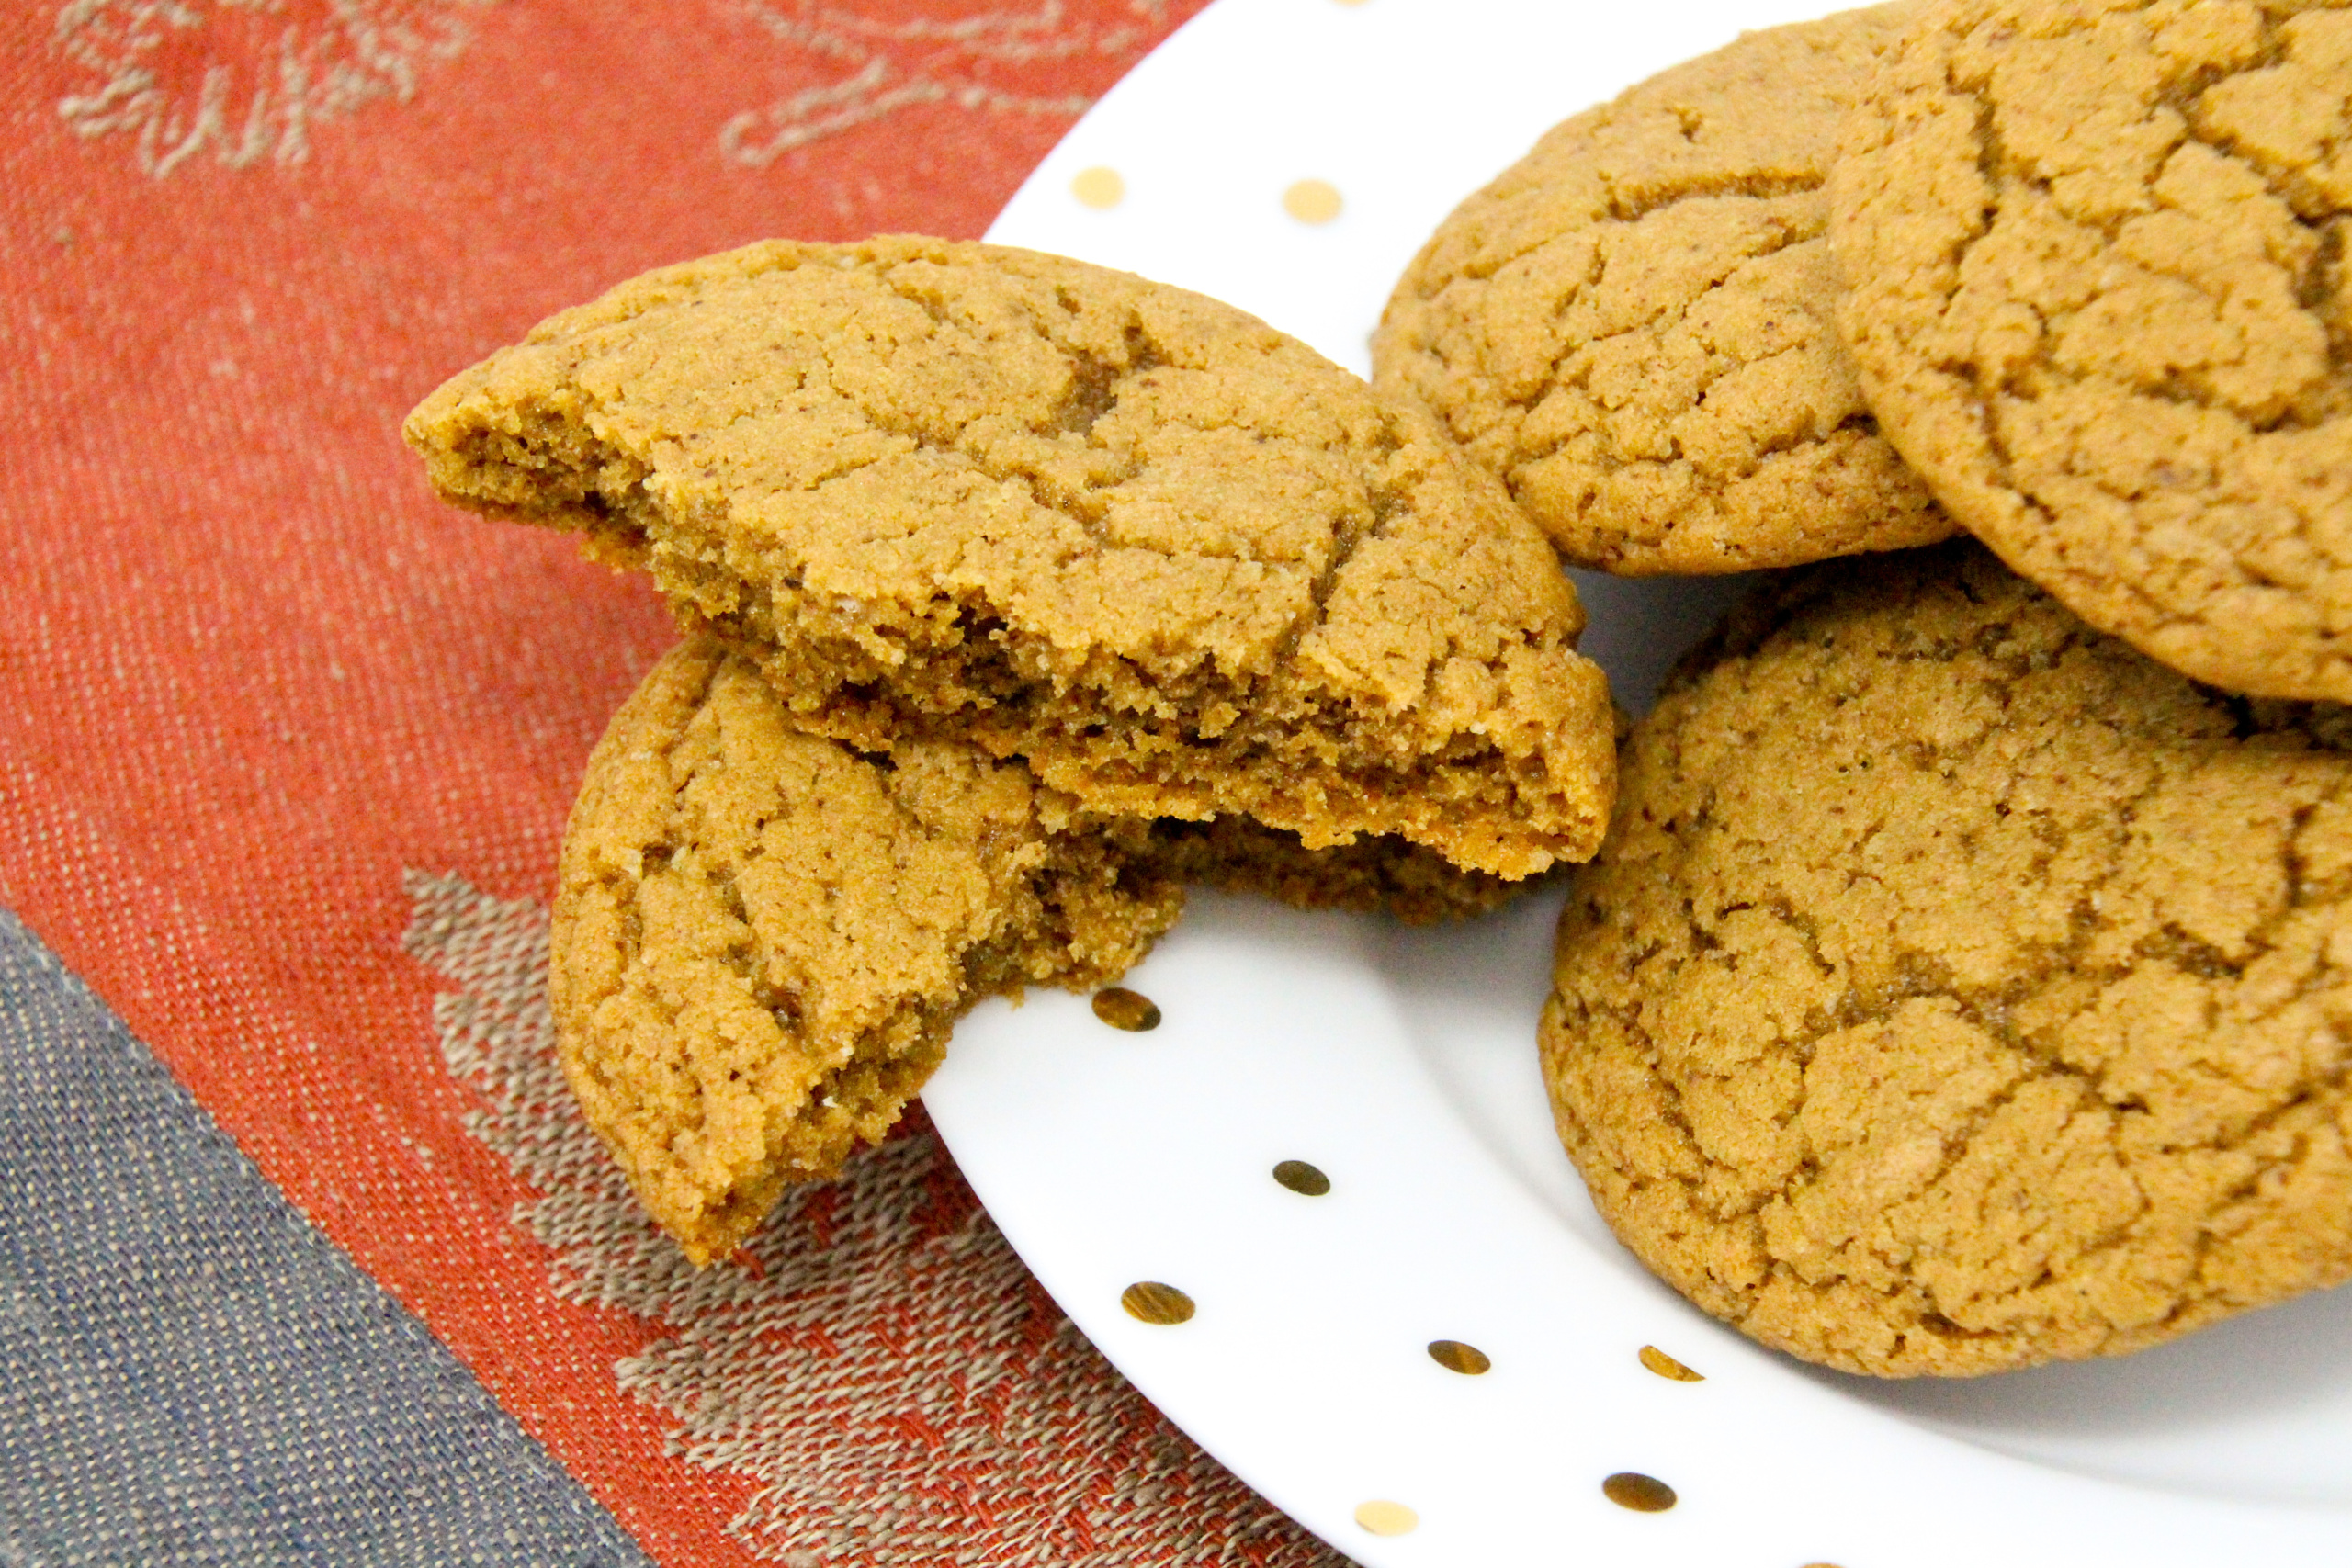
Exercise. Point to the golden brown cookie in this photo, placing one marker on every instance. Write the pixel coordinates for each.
(1958, 988)
(1177, 561)
(2100, 300)
(763, 937)
(1632, 324)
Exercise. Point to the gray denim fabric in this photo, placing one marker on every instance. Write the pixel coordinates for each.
(189, 1374)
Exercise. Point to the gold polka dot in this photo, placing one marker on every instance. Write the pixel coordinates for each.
(1123, 1008)
(1302, 1177)
(1312, 201)
(1382, 1517)
(1643, 1494)
(1099, 187)
(1456, 1357)
(1666, 1365)
(1148, 1301)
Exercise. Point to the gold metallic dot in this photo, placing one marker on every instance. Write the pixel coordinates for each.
(1099, 187)
(1382, 1517)
(1148, 1301)
(1643, 1494)
(1312, 201)
(1666, 1365)
(1123, 1008)
(1302, 1177)
(1456, 1357)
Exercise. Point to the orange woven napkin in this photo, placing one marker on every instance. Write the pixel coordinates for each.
(285, 746)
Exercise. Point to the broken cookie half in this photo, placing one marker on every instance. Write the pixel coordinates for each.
(763, 937)
(1175, 560)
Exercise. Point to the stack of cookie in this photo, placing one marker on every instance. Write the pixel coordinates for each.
(1016, 592)
(1966, 980)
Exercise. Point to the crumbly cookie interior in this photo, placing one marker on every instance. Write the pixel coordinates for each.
(1383, 875)
(1174, 560)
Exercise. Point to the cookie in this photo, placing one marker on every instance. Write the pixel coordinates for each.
(1175, 559)
(2099, 301)
(761, 937)
(1960, 989)
(1631, 326)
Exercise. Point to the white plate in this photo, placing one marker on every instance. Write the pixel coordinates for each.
(1402, 1062)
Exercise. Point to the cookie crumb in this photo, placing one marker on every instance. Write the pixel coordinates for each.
(1303, 1179)
(1130, 1011)
(1642, 1494)
(1665, 1366)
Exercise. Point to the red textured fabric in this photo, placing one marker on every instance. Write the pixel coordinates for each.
(250, 672)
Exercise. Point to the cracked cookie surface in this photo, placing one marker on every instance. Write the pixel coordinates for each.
(1960, 989)
(1175, 560)
(763, 937)
(1631, 326)
(2099, 297)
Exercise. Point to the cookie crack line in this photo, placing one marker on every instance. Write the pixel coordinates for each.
(616, 880)
(1782, 236)
(1095, 383)
(1980, 403)
(1349, 538)
(1622, 209)
(1349, 534)
(1096, 389)
(1783, 444)
(1956, 1149)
